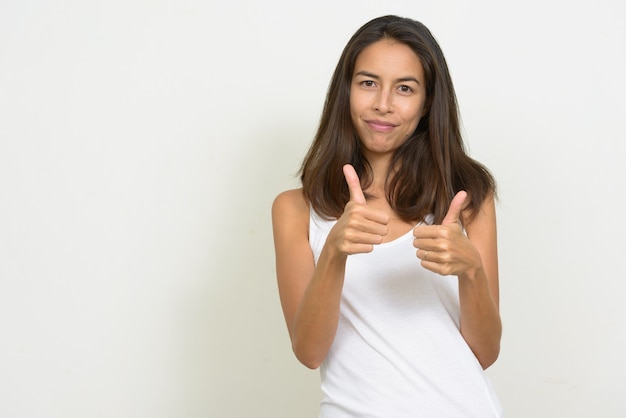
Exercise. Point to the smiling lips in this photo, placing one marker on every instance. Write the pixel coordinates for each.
(380, 126)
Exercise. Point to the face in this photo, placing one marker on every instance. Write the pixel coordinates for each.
(387, 96)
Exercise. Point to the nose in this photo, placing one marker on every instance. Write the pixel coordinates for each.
(383, 102)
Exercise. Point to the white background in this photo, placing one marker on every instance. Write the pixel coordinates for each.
(142, 143)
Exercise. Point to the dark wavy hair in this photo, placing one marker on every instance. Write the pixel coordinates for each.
(428, 169)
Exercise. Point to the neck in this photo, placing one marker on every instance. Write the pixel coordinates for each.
(379, 163)
(380, 170)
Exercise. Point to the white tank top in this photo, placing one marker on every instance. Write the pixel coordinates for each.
(398, 351)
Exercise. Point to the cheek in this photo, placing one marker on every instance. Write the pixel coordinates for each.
(411, 121)
(356, 108)
(416, 112)
(412, 113)
(354, 116)
(356, 103)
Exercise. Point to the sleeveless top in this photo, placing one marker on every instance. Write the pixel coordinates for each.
(398, 351)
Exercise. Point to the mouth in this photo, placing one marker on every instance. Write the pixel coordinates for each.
(380, 125)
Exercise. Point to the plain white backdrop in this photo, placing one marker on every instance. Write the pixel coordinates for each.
(141, 146)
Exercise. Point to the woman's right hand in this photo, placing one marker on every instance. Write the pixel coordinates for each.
(360, 227)
(310, 293)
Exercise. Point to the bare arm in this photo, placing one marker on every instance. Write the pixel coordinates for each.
(473, 258)
(310, 295)
(479, 289)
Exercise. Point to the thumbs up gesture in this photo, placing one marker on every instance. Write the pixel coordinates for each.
(444, 248)
(360, 227)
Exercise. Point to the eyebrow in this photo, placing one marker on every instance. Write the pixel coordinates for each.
(399, 80)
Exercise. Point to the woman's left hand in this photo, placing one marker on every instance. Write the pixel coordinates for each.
(445, 249)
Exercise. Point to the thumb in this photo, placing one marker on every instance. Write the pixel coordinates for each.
(354, 185)
(456, 206)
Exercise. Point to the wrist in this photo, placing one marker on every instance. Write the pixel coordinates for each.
(474, 275)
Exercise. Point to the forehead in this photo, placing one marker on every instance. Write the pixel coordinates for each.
(389, 56)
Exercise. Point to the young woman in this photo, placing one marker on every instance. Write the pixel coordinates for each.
(386, 257)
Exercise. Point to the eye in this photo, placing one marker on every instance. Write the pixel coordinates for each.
(368, 83)
(405, 89)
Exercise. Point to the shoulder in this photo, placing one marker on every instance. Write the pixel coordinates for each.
(291, 202)
(290, 209)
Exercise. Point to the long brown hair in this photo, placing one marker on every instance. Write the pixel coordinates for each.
(428, 169)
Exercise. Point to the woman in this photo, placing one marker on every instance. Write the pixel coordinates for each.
(386, 258)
